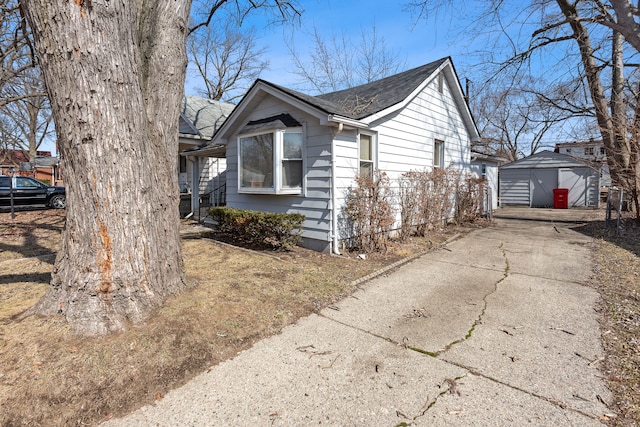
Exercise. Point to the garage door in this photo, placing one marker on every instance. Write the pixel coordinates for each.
(543, 181)
(582, 184)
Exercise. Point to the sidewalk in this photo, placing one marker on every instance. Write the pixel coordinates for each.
(495, 329)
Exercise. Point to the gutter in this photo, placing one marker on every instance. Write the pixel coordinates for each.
(334, 191)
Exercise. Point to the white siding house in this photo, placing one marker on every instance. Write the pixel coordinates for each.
(199, 119)
(485, 165)
(291, 152)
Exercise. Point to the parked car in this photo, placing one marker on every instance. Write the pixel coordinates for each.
(29, 191)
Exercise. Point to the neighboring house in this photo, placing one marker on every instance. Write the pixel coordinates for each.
(531, 181)
(486, 165)
(45, 167)
(200, 118)
(592, 151)
(291, 152)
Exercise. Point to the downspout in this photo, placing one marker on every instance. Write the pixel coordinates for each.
(334, 192)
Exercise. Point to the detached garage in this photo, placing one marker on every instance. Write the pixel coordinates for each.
(531, 181)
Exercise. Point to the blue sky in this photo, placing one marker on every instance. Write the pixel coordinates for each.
(416, 43)
(448, 33)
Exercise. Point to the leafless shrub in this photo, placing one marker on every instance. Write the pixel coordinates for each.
(428, 198)
(469, 200)
(370, 210)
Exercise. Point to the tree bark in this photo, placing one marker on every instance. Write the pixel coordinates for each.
(115, 75)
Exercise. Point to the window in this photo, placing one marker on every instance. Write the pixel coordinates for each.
(366, 155)
(292, 160)
(440, 83)
(27, 183)
(438, 153)
(603, 151)
(183, 164)
(588, 151)
(568, 150)
(271, 162)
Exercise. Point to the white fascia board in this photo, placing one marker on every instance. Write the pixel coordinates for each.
(377, 116)
(345, 121)
(458, 95)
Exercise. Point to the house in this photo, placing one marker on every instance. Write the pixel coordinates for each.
(200, 118)
(45, 167)
(486, 165)
(593, 151)
(531, 181)
(291, 152)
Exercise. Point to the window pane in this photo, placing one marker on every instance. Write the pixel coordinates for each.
(365, 147)
(256, 159)
(26, 183)
(292, 145)
(291, 173)
(366, 168)
(438, 153)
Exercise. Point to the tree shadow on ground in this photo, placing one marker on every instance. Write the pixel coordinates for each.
(31, 233)
(628, 237)
(44, 278)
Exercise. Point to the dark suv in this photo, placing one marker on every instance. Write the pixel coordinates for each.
(29, 191)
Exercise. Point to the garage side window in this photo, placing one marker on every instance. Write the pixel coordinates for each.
(271, 162)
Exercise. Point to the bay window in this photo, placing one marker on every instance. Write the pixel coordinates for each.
(271, 162)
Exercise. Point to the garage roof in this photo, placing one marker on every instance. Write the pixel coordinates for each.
(546, 159)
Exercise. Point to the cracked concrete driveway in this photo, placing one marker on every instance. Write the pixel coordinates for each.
(495, 329)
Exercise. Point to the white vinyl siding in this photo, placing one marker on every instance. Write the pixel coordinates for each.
(514, 187)
(406, 141)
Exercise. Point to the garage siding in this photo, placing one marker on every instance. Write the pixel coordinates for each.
(514, 187)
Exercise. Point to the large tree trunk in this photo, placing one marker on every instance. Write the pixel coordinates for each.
(115, 74)
(614, 137)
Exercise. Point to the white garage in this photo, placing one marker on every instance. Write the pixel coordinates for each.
(531, 181)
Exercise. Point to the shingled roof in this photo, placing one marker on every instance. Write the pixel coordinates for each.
(205, 116)
(370, 98)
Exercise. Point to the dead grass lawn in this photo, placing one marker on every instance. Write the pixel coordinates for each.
(48, 377)
(617, 278)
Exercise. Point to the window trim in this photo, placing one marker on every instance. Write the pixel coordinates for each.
(278, 160)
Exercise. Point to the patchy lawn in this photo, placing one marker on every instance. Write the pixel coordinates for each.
(49, 377)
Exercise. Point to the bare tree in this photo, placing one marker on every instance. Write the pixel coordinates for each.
(115, 75)
(16, 55)
(514, 120)
(226, 59)
(340, 62)
(600, 39)
(27, 120)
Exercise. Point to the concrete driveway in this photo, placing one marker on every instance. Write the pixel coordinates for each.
(495, 329)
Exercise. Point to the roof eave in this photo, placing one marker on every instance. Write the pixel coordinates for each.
(334, 118)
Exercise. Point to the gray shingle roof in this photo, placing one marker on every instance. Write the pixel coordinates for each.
(370, 98)
(546, 159)
(205, 115)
